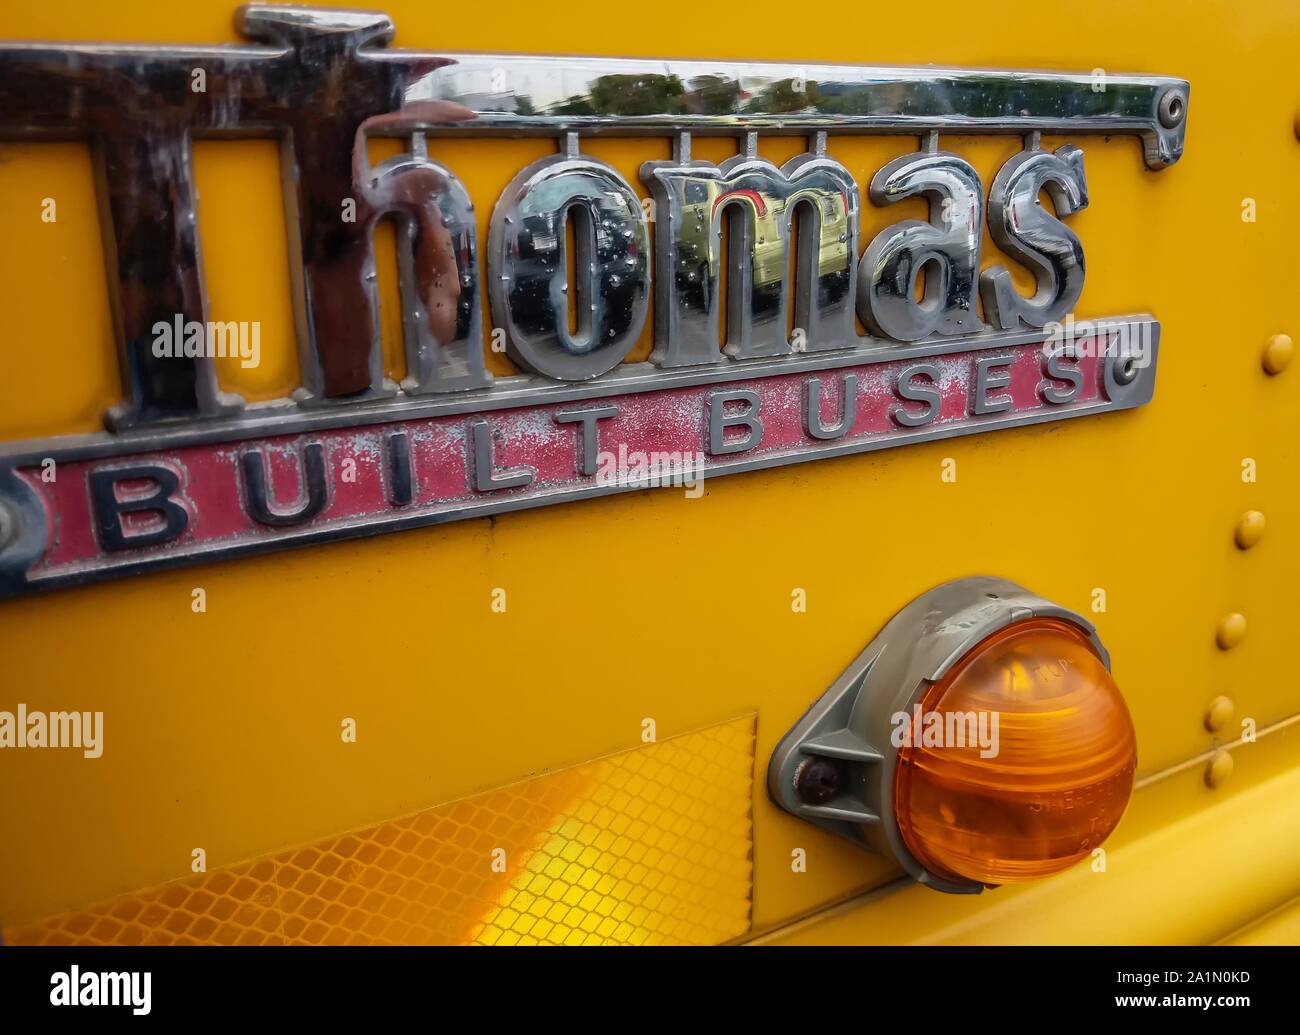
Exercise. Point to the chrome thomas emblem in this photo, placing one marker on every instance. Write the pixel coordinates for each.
(187, 472)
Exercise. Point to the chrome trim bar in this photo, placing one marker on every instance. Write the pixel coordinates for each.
(525, 94)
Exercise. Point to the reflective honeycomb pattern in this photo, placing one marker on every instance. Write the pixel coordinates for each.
(650, 846)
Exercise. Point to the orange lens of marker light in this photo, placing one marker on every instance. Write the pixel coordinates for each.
(1032, 765)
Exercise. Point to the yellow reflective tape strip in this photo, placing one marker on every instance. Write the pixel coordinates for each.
(648, 846)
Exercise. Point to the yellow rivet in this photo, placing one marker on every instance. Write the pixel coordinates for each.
(1249, 530)
(1231, 631)
(1277, 353)
(1219, 714)
(1219, 769)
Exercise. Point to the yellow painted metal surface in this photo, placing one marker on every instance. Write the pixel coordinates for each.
(222, 728)
(1280, 927)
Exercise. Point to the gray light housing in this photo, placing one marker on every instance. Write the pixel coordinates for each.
(853, 720)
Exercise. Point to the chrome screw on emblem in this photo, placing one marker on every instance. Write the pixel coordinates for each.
(1172, 109)
(1125, 370)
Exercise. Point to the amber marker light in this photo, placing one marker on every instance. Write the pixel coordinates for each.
(978, 740)
(1063, 771)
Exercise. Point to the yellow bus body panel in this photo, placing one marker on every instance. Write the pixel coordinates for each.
(222, 728)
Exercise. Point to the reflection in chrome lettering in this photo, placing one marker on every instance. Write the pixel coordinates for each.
(528, 267)
(324, 80)
(693, 197)
(949, 245)
(1023, 229)
(437, 258)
